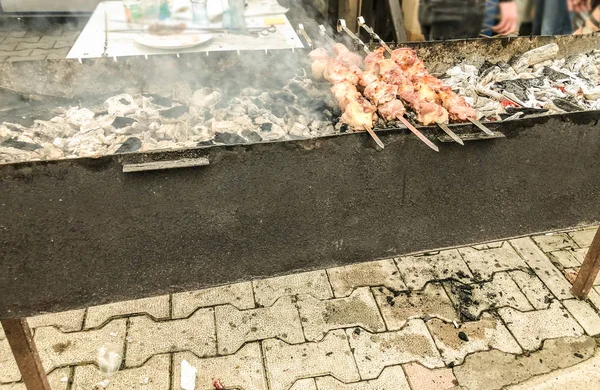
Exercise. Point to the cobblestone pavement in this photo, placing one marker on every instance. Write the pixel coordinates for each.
(489, 316)
(35, 39)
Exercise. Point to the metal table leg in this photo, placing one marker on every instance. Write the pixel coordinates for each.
(25, 352)
(589, 269)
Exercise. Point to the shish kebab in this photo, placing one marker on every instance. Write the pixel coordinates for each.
(441, 121)
(359, 112)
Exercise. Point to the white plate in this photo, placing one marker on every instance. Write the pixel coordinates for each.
(172, 42)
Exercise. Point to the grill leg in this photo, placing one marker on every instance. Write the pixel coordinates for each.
(25, 352)
(589, 270)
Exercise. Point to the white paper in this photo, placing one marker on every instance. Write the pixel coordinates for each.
(188, 376)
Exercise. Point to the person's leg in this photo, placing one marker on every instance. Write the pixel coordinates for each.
(538, 16)
(556, 20)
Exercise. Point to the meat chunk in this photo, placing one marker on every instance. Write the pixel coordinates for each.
(373, 58)
(358, 116)
(392, 110)
(379, 92)
(458, 108)
(336, 72)
(429, 113)
(344, 93)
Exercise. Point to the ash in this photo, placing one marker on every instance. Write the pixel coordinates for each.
(181, 119)
(536, 81)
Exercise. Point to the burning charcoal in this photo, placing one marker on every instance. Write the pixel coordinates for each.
(206, 143)
(486, 66)
(160, 100)
(121, 122)
(174, 112)
(535, 56)
(525, 110)
(121, 105)
(78, 118)
(229, 138)
(133, 144)
(567, 105)
(279, 110)
(575, 62)
(50, 152)
(267, 126)
(204, 98)
(299, 130)
(251, 135)
(182, 93)
(21, 145)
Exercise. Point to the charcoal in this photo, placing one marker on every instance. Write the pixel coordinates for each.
(553, 74)
(121, 122)
(266, 126)
(159, 100)
(131, 145)
(485, 67)
(525, 110)
(229, 138)
(519, 86)
(252, 136)
(13, 143)
(567, 105)
(279, 110)
(535, 56)
(174, 112)
(206, 143)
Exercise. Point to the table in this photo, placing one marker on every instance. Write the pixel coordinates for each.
(95, 42)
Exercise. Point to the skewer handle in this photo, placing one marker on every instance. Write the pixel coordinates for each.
(419, 134)
(341, 26)
(371, 32)
(302, 32)
(375, 138)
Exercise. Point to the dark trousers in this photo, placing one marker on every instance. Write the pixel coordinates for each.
(451, 19)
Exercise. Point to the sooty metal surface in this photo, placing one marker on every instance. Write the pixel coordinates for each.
(82, 232)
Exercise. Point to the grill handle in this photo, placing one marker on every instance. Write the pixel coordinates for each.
(161, 165)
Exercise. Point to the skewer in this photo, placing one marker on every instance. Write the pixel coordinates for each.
(419, 134)
(375, 138)
(452, 134)
(302, 31)
(369, 30)
(480, 126)
(341, 26)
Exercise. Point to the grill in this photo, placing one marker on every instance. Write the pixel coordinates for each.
(106, 226)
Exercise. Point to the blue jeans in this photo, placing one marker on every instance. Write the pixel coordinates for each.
(552, 18)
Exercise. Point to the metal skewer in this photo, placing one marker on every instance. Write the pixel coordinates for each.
(375, 138)
(420, 135)
(452, 134)
(341, 26)
(481, 126)
(369, 30)
(302, 32)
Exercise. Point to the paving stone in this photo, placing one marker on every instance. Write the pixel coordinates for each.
(392, 378)
(36, 45)
(568, 258)
(54, 31)
(286, 363)
(492, 370)
(154, 375)
(147, 337)
(9, 46)
(304, 384)
(267, 291)
(58, 380)
(377, 273)
(543, 267)
(422, 378)
(594, 297)
(319, 317)
(484, 263)
(489, 245)
(235, 327)
(25, 58)
(157, 307)
(239, 295)
(52, 54)
(20, 53)
(18, 40)
(472, 299)
(585, 315)
(9, 372)
(398, 308)
(64, 44)
(418, 270)
(243, 370)
(488, 332)
(554, 241)
(60, 349)
(582, 376)
(584, 238)
(67, 321)
(536, 292)
(373, 352)
(531, 328)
